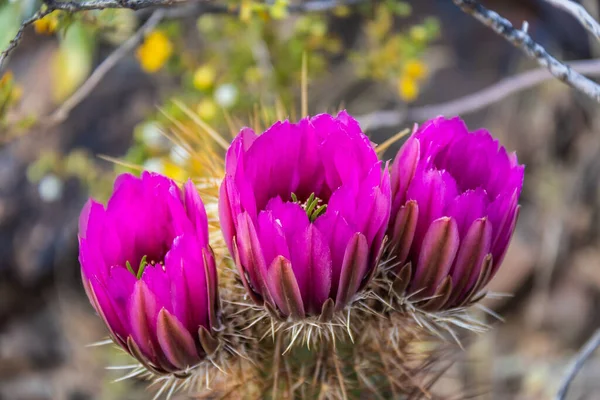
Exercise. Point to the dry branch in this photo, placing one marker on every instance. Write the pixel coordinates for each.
(577, 363)
(472, 102)
(61, 113)
(521, 39)
(73, 6)
(579, 12)
(15, 41)
(70, 6)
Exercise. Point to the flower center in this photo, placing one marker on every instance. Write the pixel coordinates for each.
(143, 264)
(469, 170)
(313, 206)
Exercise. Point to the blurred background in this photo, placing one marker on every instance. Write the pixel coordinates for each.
(386, 62)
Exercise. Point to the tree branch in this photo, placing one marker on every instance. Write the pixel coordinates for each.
(15, 41)
(73, 6)
(577, 363)
(472, 102)
(62, 112)
(579, 12)
(522, 40)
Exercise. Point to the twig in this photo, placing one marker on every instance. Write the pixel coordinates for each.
(499, 91)
(73, 6)
(579, 12)
(15, 41)
(70, 6)
(62, 112)
(521, 40)
(475, 101)
(577, 363)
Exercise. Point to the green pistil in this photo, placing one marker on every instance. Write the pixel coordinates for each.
(129, 268)
(141, 268)
(318, 212)
(311, 206)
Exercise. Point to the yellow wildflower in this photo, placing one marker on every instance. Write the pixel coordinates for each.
(154, 52)
(174, 171)
(207, 109)
(46, 25)
(253, 75)
(333, 45)
(9, 90)
(263, 14)
(246, 10)
(378, 28)
(408, 89)
(204, 77)
(341, 11)
(418, 33)
(318, 29)
(17, 93)
(6, 78)
(279, 10)
(415, 69)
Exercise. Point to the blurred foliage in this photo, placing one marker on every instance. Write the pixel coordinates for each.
(73, 61)
(52, 169)
(10, 92)
(231, 64)
(395, 56)
(11, 14)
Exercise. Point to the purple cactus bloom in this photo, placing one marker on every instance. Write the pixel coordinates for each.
(149, 272)
(454, 210)
(304, 208)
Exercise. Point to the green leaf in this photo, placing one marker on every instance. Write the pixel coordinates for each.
(10, 20)
(73, 62)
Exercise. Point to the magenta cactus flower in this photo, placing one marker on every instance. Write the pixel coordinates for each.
(454, 210)
(149, 272)
(304, 208)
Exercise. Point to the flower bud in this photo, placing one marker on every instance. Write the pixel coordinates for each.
(454, 210)
(149, 271)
